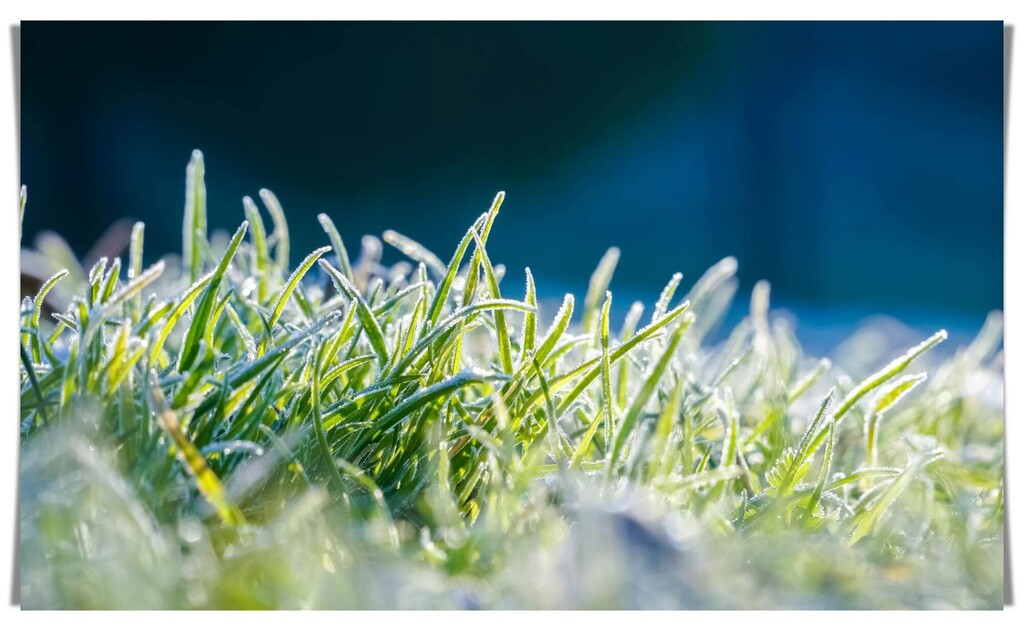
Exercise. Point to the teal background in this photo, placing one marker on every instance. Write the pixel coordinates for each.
(856, 166)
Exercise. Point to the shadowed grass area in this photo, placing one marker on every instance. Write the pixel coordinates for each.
(224, 430)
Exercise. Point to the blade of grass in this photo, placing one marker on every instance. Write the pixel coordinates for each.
(177, 310)
(261, 252)
(318, 424)
(337, 244)
(197, 329)
(643, 397)
(194, 228)
(888, 398)
(420, 398)
(866, 520)
(280, 234)
(206, 480)
(366, 317)
(890, 370)
(599, 283)
(289, 287)
(37, 309)
(415, 251)
(504, 345)
(826, 467)
(606, 371)
(528, 343)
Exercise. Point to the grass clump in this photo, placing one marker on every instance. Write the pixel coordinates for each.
(222, 430)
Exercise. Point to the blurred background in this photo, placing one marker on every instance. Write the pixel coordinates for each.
(856, 166)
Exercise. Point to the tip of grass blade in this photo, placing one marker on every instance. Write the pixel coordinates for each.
(934, 340)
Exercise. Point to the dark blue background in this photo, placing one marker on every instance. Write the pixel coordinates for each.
(856, 166)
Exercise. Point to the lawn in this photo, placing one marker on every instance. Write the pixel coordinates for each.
(239, 427)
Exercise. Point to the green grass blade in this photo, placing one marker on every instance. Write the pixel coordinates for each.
(204, 310)
(280, 234)
(826, 468)
(891, 369)
(600, 280)
(374, 332)
(37, 310)
(293, 282)
(338, 244)
(794, 464)
(423, 397)
(450, 324)
(528, 343)
(636, 311)
(135, 251)
(606, 371)
(26, 361)
(206, 480)
(135, 286)
(866, 520)
(110, 280)
(802, 386)
(472, 276)
(261, 251)
(620, 351)
(588, 438)
(666, 296)
(318, 424)
(22, 201)
(642, 397)
(415, 251)
(194, 229)
(557, 329)
(176, 312)
(888, 398)
(504, 344)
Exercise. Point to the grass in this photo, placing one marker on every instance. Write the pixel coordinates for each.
(222, 430)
